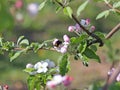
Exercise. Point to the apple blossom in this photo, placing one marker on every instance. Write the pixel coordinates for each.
(71, 28)
(66, 38)
(41, 67)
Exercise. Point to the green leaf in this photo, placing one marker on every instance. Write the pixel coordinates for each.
(41, 6)
(93, 47)
(115, 86)
(103, 14)
(91, 54)
(85, 60)
(58, 9)
(15, 55)
(63, 65)
(76, 40)
(82, 7)
(24, 42)
(116, 4)
(31, 82)
(101, 35)
(68, 11)
(19, 39)
(82, 47)
(29, 70)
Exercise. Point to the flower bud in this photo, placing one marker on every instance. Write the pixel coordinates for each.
(66, 38)
(92, 28)
(71, 28)
(83, 22)
(29, 65)
(5, 87)
(78, 28)
(67, 80)
(51, 84)
(118, 78)
(63, 50)
(18, 4)
(87, 21)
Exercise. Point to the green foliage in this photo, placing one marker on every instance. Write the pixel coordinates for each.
(89, 53)
(42, 5)
(115, 86)
(64, 65)
(103, 14)
(81, 50)
(68, 11)
(82, 7)
(116, 4)
(6, 20)
(78, 46)
(15, 55)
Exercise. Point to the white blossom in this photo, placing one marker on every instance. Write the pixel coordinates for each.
(41, 67)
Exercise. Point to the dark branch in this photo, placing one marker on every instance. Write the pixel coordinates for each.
(98, 39)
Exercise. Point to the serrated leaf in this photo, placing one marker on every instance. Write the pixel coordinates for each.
(68, 11)
(116, 4)
(103, 14)
(63, 65)
(19, 39)
(81, 8)
(91, 54)
(41, 6)
(24, 41)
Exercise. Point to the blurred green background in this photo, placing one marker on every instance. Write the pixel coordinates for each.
(46, 24)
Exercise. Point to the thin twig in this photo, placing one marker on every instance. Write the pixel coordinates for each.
(115, 29)
(109, 5)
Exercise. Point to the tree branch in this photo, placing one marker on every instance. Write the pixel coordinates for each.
(109, 5)
(98, 39)
(115, 29)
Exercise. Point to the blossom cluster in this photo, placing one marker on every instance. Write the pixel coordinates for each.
(111, 72)
(61, 46)
(58, 79)
(85, 23)
(4, 87)
(40, 67)
(32, 9)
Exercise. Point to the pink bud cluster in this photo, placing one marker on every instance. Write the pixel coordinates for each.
(61, 46)
(84, 23)
(58, 79)
(4, 87)
(111, 72)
